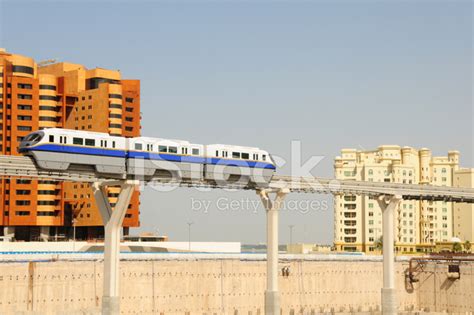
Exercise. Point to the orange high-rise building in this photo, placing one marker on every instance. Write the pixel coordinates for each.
(60, 95)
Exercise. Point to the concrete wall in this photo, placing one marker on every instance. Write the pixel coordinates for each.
(204, 247)
(226, 286)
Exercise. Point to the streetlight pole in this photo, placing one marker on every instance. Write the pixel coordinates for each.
(74, 234)
(189, 235)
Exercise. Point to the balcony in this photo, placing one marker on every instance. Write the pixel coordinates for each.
(350, 239)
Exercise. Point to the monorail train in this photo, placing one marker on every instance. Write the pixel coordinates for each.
(59, 149)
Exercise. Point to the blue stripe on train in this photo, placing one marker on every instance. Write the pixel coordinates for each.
(147, 155)
(78, 150)
(198, 159)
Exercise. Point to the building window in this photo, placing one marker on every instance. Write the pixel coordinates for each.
(22, 213)
(118, 106)
(51, 108)
(25, 97)
(115, 116)
(129, 128)
(48, 98)
(24, 107)
(129, 100)
(118, 96)
(129, 109)
(22, 117)
(43, 118)
(23, 69)
(95, 82)
(23, 181)
(119, 126)
(129, 119)
(25, 86)
(46, 203)
(47, 87)
(46, 192)
(45, 214)
(23, 202)
(23, 192)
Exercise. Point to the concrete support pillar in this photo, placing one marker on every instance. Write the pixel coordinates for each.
(44, 233)
(272, 296)
(388, 204)
(9, 231)
(112, 222)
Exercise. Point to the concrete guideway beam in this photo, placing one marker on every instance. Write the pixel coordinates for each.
(388, 204)
(272, 295)
(112, 224)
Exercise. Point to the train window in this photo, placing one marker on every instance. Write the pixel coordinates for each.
(138, 146)
(245, 156)
(90, 142)
(162, 148)
(113, 144)
(51, 138)
(195, 151)
(173, 150)
(264, 157)
(217, 153)
(236, 155)
(78, 141)
(105, 143)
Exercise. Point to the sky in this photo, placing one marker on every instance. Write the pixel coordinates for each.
(331, 74)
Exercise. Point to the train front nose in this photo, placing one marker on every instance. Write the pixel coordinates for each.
(24, 145)
(29, 141)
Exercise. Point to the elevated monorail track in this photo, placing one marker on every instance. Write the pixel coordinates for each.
(393, 193)
(23, 166)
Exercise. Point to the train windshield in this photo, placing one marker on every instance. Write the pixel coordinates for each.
(34, 137)
(271, 159)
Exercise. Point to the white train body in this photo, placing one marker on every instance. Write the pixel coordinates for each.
(144, 157)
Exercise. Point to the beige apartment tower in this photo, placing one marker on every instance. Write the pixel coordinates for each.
(419, 224)
(463, 215)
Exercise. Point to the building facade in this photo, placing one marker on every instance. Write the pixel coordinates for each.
(60, 95)
(463, 216)
(419, 224)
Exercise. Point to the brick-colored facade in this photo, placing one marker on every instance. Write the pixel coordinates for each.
(61, 95)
